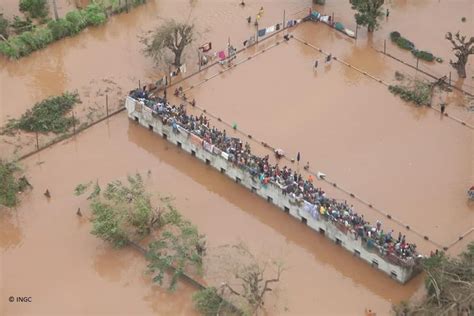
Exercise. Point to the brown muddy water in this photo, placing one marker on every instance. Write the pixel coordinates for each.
(413, 163)
(46, 245)
(407, 161)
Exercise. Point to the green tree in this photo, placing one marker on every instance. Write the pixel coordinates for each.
(171, 37)
(35, 8)
(462, 49)
(178, 249)
(449, 285)
(368, 13)
(12, 182)
(121, 213)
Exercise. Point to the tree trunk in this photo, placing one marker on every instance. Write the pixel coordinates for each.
(461, 68)
(177, 58)
(55, 9)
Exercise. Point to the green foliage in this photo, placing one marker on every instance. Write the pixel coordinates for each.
(419, 93)
(122, 212)
(60, 28)
(320, 2)
(449, 285)
(421, 54)
(46, 116)
(94, 14)
(74, 22)
(11, 183)
(4, 26)
(369, 12)
(77, 21)
(207, 301)
(178, 248)
(408, 45)
(35, 8)
(21, 26)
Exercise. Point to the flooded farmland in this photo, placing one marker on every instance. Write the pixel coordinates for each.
(411, 162)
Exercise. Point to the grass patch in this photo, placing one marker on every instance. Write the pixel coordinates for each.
(417, 91)
(46, 116)
(12, 183)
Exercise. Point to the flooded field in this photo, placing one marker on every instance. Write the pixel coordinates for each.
(408, 161)
(226, 213)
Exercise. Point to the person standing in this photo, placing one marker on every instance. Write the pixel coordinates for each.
(298, 157)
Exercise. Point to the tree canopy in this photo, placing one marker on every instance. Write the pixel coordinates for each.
(368, 13)
(12, 182)
(172, 37)
(125, 213)
(449, 285)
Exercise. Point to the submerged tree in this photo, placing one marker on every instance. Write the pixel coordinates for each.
(245, 281)
(125, 213)
(121, 213)
(462, 49)
(368, 13)
(178, 249)
(12, 182)
(172, 36)
(449, 285)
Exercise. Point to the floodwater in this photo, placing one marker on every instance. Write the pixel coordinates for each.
(412, 163)
(94, 276)
(407, 161)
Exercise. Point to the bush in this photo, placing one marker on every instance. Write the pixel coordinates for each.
(60, 28)
(207, 301)
(21, 26)
(95, 14)
(404, 43)
(46, 116)
(395, 36)
(421, 54)
(35, 8)
(11, 183)
(419, 94)
(77, 20)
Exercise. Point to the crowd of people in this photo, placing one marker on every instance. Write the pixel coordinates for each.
(291, 182)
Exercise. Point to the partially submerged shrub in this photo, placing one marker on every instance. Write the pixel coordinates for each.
(207, 301)
(95, 14)
(419, 92)
(421, 54)
(46, 116)
(12, 182)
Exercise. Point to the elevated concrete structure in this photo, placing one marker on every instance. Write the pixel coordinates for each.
(402, 272)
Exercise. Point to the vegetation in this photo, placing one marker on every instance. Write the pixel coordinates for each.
(171, 37)
(418, 92)
(462, 49)
(320, 2)
(124, 214)
(178, 248)
(74, 22)
(12, 182)
(46, 116)
(449, 285)
(35, 8)
(404, 43)
(369, 12)
(209, 302)
(120, 213)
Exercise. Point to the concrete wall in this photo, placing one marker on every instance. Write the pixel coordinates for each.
(270, 192)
